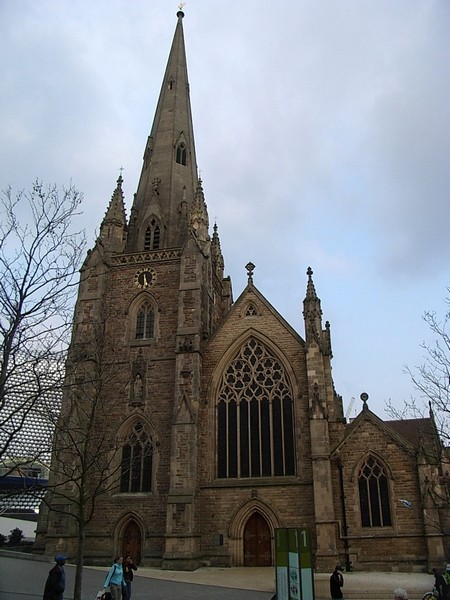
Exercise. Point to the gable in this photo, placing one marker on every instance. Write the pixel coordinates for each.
(375, 433)
(253, 311)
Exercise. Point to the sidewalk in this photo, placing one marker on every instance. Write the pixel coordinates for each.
(357, 586)
(370, 586)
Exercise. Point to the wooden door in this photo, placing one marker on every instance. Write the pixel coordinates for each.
(257, 543)
(131, 545)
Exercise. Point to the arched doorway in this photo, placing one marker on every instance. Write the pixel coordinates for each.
(257, 542)
(131, 544)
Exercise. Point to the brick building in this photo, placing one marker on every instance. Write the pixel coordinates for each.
(218, 422)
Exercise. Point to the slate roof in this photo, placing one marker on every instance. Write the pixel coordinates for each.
(415, 431)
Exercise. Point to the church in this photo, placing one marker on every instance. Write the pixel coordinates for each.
(194, 424)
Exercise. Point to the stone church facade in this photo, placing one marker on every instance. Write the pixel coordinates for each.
(218, 422)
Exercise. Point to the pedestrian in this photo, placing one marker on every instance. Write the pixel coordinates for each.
(114, 580)
(440, 584)
(447, 575)
(336, 583)
(56, 580)
(400, 594)
(128, 568)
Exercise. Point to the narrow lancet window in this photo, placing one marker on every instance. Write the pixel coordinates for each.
(145, 322)
(181, 156)
(152, 236)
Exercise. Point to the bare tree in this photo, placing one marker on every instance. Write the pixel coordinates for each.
(86, 459)
(431, 379)
(40, 255)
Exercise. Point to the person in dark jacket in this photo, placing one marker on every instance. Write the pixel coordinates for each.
(128, 568)
(336, 582)
(56, 580)
(440, 584)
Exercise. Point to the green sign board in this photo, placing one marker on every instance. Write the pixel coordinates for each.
(293, 562)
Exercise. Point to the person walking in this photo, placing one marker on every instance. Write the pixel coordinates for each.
(56, 580)
(114, 580)
(447, 575)
(440, 584)
(128, 568)
(336, 583)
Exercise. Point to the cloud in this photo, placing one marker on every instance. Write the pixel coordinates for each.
(322, 133)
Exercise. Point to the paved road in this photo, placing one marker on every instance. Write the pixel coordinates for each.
(24, 579)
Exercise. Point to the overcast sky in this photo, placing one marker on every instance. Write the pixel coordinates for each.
(322, 133)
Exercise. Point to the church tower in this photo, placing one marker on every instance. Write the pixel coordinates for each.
(193, 427)
(151, 294)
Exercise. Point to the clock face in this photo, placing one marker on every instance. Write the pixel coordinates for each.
(144, 278)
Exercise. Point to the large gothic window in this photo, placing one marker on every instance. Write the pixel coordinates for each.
(145, 322)
(136, 465)
(374, 494)
(152, 237)
(255, 430)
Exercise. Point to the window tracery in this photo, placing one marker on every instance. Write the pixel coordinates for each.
(136, 464)
(251, 311)
(181, 154)
(145, 322)
(255, 429)
(152, 236)
(374, 494)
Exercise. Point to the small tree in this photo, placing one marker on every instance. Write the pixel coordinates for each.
(39, 259)
(15, 537)
(85, 459)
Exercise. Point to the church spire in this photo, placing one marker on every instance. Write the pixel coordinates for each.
(169, 174)
(114, 227)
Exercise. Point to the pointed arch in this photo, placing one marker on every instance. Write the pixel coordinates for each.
(374, 489)
(181, 150)
(254, 413)
(253, 507)
(251, 310)
(181, 154)
(130, 536)
(137, 469)
(152, 234)
(143, 319)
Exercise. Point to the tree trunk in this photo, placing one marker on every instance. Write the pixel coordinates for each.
(80, 555)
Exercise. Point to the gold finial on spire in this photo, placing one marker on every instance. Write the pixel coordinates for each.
(181, 5)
